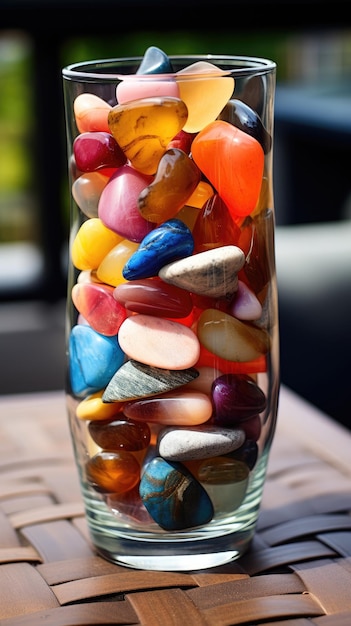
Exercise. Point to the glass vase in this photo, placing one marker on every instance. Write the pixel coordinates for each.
(172, 323)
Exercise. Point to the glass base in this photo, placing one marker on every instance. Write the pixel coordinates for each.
(191, 555)
(146, 546)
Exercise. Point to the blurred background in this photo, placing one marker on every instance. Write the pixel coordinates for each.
(311, 44)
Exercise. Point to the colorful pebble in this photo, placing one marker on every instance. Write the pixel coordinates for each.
(242, 116)
(205, 96)
(98, 306)
(159, 342)
(143, 128)
(176, 408)
(226, 482)
(86, 191)
(186, 444)
(236, 398)
(93, 360)
(176, 179)
(93, 408)
(239, 185)
(230, 338)
(172, 496)
(120, 434)
(136, 380)
(154, 61)
(91, 244)
(93, 151)
(154, 297)
(118, 204)
(113, 472)
(245, 305)
(213, 273)
(214, 226)
(110, 269)
(169, 241)
(91, 113)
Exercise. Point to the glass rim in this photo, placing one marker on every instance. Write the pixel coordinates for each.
(94, 69)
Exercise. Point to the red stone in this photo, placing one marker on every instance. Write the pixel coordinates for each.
(94, 150)
(154, 297)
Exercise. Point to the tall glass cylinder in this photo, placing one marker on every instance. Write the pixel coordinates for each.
(172, 324)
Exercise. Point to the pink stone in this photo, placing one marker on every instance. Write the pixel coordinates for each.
(245, 305)
(135, 88)
(174, 408)
(159, 342)
(118, 204)
(99, 308)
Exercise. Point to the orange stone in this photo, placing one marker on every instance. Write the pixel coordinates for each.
(233, 162)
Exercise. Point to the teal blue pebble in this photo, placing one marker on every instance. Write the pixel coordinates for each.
(173, 497)
(94, 359)
(155, 61)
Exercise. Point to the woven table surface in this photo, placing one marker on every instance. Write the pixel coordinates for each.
(297, 573)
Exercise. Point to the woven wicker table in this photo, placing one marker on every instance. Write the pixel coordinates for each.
(298, 572)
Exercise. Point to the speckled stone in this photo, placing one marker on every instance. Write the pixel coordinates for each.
(173, 497)
(136, 380)
(187, 444)
(212, 273)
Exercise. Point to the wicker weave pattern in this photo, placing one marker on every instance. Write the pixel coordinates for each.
(298, 572)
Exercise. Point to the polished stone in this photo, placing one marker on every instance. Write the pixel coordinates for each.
(169, 241)
(213, 273)
(136, 380)
(172, 496)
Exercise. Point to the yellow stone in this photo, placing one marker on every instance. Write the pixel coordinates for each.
(111, 267)
(93, 408)
(205, 91)
(143, 129)
(91, 244)
(202, 193)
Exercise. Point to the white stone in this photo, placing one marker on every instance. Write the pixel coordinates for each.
(187, 444)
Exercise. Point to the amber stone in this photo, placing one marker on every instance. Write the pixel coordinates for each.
(120, 434)
(143, 128)
(257, 238)
(113, 472)
(215, 226)
(176, 179)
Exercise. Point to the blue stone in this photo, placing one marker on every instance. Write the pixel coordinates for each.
(93, 359)
(169, 242)
(155, 61)
(173, 497)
